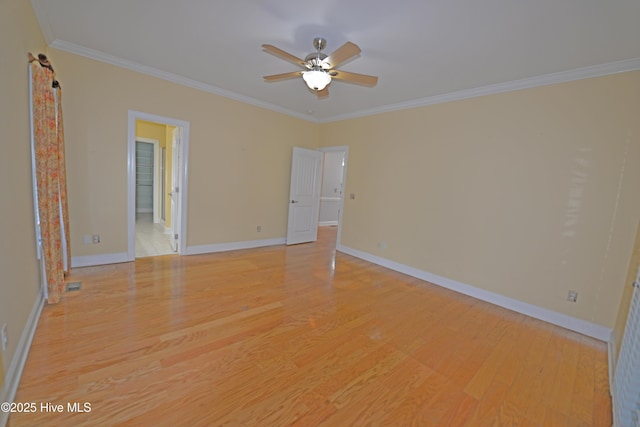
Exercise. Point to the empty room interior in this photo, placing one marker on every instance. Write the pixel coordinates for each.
(472, 260)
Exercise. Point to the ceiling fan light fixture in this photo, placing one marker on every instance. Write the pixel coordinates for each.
(319, 69)
(316, 79)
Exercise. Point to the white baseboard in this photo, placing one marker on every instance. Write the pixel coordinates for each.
(91, 260)
(232, 246)
(12, 379)
(327, 223)
(612, 358)
(568, 322)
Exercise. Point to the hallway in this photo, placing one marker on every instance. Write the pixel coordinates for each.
(151, 240)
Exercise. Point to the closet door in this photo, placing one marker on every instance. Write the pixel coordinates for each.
(144, 177)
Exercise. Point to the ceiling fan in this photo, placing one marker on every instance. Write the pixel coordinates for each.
(318, 69)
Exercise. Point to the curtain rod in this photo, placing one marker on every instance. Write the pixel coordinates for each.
(44, 62)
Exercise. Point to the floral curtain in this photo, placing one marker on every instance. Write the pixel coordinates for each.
(48, 134)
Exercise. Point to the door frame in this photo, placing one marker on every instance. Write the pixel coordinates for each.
(131, 177)
(176, 215)
(345, 149)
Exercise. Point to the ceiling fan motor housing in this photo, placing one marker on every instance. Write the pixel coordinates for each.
(316, 60)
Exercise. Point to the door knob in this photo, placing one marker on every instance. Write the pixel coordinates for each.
(294, 201)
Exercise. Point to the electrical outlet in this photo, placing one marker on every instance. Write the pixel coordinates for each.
(4, 337)
(95, 239)
(572, 296)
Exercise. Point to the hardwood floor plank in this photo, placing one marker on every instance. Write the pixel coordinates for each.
(494, 363)
(488, 407)
(300, 335)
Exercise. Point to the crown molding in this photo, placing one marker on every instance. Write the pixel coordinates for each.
(531, 82)
(174, 78)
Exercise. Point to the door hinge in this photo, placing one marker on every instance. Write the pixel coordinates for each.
(175, 236)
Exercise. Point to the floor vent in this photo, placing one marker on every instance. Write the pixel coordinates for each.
(74, 286)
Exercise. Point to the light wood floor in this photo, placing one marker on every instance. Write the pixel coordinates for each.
(300, 336)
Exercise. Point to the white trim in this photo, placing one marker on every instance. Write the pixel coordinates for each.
(616, 421)
(544, 80)
(232, 246)
(184, 81)
(530, 82)
(34, 180)
(612, 359)
(578, 325)
(157, 184)
(157, 188)
(131, 182)
(147, 140)
(19, 359)
(91, 260)
(327, 223)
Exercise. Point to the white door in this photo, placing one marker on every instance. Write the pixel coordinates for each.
(304, 196)
(175, 189)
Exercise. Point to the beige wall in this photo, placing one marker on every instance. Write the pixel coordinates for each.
(526, 194)
(19, 285)
(239, 156)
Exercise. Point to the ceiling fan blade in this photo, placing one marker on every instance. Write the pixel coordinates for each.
(343, 53)
(283, 76)
(323, 93)
(360, 79)
(284, 55)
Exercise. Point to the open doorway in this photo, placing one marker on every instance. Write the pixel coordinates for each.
(157, 159)
(334, 167)
(316, 193)
(153, 176)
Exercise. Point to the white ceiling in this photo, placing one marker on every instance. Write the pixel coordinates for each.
(423, 51)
